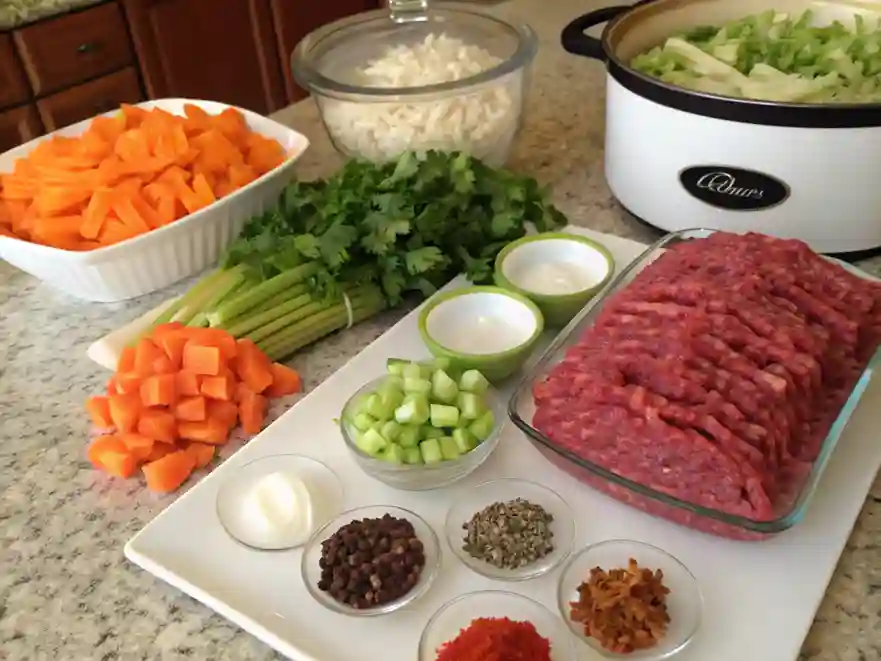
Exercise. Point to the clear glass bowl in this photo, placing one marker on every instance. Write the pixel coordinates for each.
(521, 409)
(685, 601)
(311, 571)
(504, 490)
(458, 613)
(480, 114)
(325, 491)
(419, 477)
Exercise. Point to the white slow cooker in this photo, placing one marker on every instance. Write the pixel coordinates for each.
(677, 158)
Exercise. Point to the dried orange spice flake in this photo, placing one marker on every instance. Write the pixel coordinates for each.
(624, 609)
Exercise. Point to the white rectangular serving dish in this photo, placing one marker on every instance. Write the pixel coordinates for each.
(149, 262)
(742, 583)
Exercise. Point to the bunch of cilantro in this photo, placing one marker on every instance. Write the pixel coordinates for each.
(334, 252)
(406, 226)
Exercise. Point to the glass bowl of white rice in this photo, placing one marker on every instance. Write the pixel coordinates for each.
(419, 77)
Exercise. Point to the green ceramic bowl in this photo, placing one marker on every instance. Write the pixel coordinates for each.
(485, 328)
(560, 272)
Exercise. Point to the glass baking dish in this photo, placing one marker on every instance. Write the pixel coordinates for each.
(521, 409)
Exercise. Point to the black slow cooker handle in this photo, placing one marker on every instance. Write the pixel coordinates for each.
(576, 42)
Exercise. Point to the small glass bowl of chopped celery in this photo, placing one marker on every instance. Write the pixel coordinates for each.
(423, 425)
(502, 523)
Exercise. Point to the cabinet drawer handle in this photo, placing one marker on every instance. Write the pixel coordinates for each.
(87, 47)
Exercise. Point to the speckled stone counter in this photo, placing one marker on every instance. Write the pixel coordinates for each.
(20, 12)
(67, 593)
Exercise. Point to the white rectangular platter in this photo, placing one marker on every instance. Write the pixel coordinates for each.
(760, 598)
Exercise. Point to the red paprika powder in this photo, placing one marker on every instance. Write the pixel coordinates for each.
(496, 639)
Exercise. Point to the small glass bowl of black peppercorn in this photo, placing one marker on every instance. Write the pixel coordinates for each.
(371, 561)
(510, 529)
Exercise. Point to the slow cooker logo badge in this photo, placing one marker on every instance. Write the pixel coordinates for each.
(724, 183)
(733, 189)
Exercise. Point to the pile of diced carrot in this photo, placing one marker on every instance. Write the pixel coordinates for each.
(176, 396)
(130, 173)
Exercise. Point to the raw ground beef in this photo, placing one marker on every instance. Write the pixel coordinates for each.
(715, 375)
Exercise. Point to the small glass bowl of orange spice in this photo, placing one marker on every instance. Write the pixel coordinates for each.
(495, 624)
(628, 599)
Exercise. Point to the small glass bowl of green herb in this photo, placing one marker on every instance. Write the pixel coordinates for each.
(510, 529)
(424, 425)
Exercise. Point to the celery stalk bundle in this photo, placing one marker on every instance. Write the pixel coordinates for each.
(334, 252)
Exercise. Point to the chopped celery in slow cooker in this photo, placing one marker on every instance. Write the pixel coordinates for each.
(774, 56)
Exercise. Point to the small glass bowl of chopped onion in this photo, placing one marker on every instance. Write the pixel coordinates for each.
(620, 578)
(448, 78)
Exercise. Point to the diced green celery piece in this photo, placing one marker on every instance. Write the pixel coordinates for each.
(471, 406)
(409, 436)
(391, 430)
(412, 455)
(357, 404)
(411, 371)
(431, 452)
(449, 449)
(441, 364)
(444, 416)
(394, 454)
(414, 410)
(473, 381)
(432, 432)
(371, 442)
(392, 383)
(396, 366)
(379, 409)
(465, 440)
(417, 386)
(392, 398)
(363, 421)
(443, 388)
(483, 426)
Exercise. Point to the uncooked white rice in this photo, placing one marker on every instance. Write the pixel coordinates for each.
(481, 123)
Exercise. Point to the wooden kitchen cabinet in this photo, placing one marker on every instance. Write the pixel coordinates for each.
(64, 51)
(294, 19)
(19, 125)
(59, 70)
(221, 50)
(13, 83)
(93, 98)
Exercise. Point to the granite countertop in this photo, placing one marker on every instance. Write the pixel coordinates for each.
(16, 13)
(66, 592)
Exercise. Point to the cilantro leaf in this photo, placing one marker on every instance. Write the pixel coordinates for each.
(408, 225)
(422, 260)
(334, 244)
(383, 232)
(308, 245)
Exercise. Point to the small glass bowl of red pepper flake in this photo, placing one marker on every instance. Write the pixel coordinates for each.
(494, 624)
